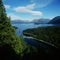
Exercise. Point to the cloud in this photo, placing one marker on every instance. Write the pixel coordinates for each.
(14, 17)
(37, 13)
(28, 9)
(7, 6)
(41, 3)
(31, 6)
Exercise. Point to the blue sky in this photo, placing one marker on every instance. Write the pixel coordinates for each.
(29, 10)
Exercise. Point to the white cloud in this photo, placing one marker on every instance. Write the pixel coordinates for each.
(31, 6)
(14, 17)
(38, 13)
(41, 3)
(7, 6)
(28, 9)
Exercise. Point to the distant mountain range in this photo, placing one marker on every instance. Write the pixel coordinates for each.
(55, 20)
(18, 21)
(41, 21)
(37, 21)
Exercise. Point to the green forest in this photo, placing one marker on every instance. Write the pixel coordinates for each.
(12, 47)
(48, 34)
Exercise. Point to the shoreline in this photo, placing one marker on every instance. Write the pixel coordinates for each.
(28, 35)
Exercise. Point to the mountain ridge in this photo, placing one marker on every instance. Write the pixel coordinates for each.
(41, 21)
(55, 20)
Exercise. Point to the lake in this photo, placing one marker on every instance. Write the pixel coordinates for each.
(33, 42)
(24, 26)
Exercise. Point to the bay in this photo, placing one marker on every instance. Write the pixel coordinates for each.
(24, 26)
(33, 42)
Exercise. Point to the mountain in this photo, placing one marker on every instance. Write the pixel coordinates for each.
(16, 21)
(19, 21)
(55, 20)
(41, 21)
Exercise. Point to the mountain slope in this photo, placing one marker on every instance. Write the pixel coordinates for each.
(55, 20)
(41, 21)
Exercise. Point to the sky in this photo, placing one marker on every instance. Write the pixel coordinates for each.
(29, 10)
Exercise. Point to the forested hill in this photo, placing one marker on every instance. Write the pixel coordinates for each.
(10, 44)
(48, 34)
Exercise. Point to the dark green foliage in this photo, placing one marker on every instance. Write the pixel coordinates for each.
(4, 20)
(12, 47)
(49, 34)
(7, 33)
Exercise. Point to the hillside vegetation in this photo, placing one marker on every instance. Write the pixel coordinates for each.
(12, 47)
(47, 34)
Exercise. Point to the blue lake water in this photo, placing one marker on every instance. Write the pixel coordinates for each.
(25, 26)
(33, 42)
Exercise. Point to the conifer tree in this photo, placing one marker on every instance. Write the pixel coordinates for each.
(5, 25)
(4, 20)
(7, 32)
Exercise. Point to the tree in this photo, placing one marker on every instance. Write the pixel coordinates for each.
(7, 32)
